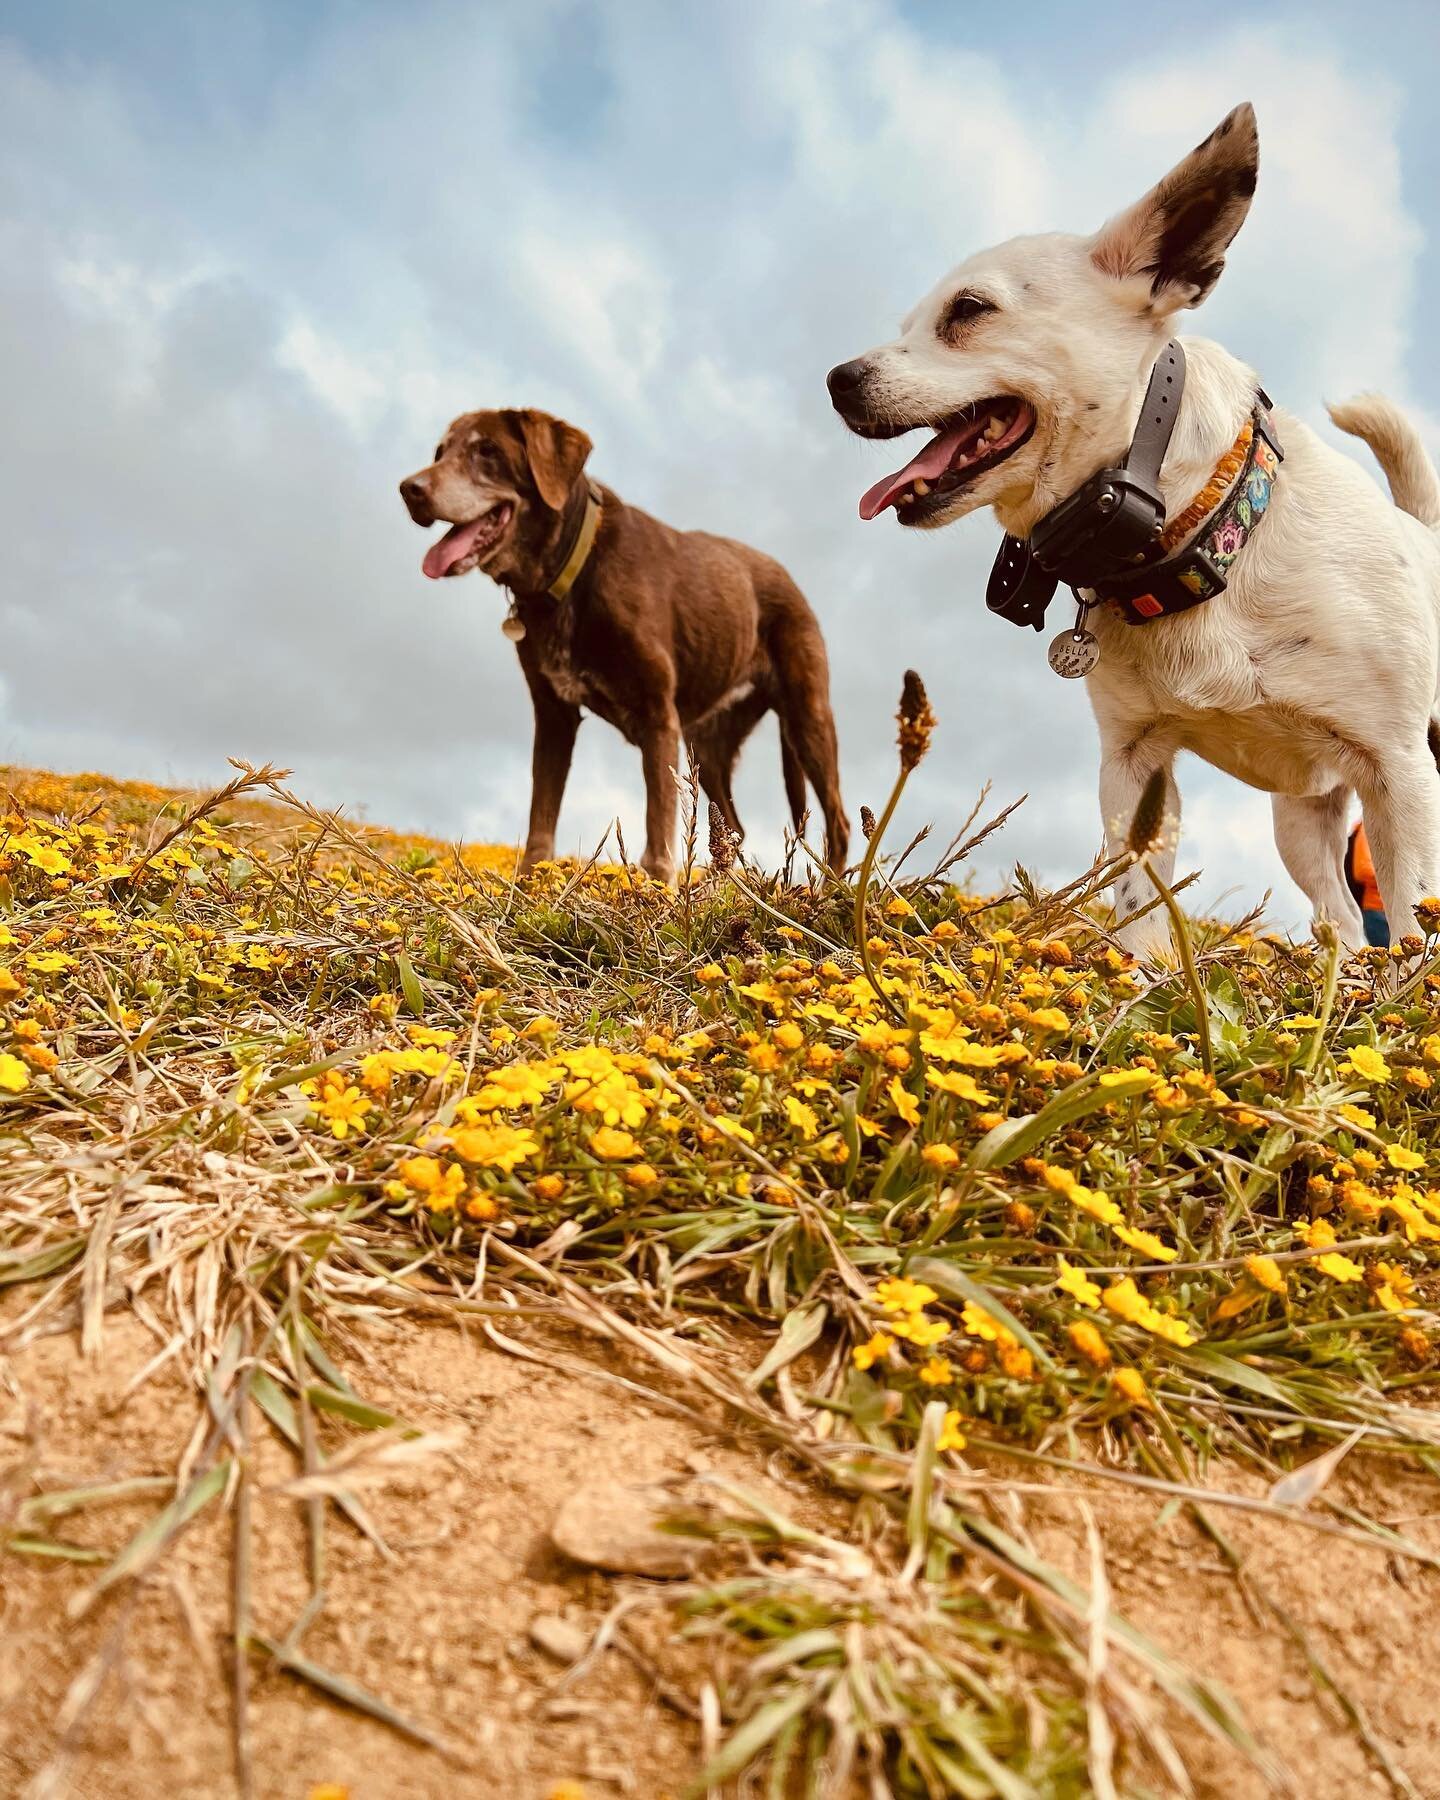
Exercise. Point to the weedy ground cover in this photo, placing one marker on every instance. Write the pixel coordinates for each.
(941, 1197)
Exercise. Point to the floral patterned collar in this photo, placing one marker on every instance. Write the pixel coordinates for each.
(1200, 571)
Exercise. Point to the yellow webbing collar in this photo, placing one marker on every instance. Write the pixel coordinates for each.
(580, 550)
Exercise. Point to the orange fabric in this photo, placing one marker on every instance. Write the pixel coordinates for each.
(1227, 473)
(1370, 900)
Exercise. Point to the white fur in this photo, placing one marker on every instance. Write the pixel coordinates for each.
(1314, 676)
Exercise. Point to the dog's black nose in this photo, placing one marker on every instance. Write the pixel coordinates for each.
(846, 379)
(412, 493)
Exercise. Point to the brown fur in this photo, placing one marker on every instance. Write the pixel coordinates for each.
(665, 634)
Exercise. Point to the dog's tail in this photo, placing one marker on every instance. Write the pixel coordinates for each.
(794, 779)
(1398, 449)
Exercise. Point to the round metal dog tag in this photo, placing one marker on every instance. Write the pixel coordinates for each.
(1074, 653)
(513, 626)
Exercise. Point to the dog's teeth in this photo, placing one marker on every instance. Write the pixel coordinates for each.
(995, 428)
(920, 485)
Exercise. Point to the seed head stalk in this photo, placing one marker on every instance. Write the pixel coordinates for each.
(917, 722)
(1145, 829)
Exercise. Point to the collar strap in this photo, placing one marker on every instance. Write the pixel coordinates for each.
(579, 552)
(1247, 472)
(1158, 412)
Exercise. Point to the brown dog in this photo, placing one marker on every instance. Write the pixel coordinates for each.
(661, 632)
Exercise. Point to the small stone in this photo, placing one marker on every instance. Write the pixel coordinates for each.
(557, 1637)
(617, 1528)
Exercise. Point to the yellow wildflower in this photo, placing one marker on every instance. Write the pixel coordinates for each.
(494, 1146)
(920, 1329)
(903, 1101)
(801, 1116)
(958, 1085)
(1147, 1243)
(1089, 1343)
(1367, 1063)
(1399, 1157)
(1077, 1284)
(47, 858)
(613, 1145)
(1099, 1206)
(897, 1293)
(873, 1350)
(340, 1104)
(1265, 1272)
(938, 1372)
(951, 1436)
(14, 1076)
(940, 1156)
(1130, 1385)
(1125, 1299)
(441, 1184)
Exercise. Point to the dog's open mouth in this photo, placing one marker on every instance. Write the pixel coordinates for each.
(963, 449)
(462, 546)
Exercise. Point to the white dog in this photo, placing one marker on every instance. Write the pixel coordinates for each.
(1314, 674)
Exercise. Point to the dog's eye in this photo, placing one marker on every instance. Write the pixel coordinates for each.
(963, 310)
(439, 451)
(483, 449)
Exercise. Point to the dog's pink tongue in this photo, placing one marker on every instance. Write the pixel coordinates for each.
(932, 461)
(456, 544)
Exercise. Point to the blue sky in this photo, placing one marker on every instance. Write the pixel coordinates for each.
(252, 258)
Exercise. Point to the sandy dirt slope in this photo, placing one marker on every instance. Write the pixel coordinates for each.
(131, 1699)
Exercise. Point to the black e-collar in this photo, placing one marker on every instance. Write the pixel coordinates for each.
(1107, 527)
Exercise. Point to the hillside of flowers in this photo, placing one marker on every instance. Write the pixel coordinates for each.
(958, 1176)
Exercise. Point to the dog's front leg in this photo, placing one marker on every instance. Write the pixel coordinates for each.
(555, 726)
(1123, 774)
(1310, 836)
(660, 755)
(1401, 803)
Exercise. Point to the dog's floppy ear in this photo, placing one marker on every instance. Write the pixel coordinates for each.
(1179, 233)
(556, 453)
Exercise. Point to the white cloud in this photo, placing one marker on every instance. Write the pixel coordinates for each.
(227, 343)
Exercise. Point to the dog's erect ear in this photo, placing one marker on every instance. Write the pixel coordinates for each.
(1179, 233)
(556, 453)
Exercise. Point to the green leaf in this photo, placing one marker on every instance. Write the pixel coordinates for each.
(23, 1544)
(351, 1407)
(276, 1405)
(61, 1501)
(410, 985)
(315, 1352)
(947, 1279)
(798, 1331)
(1220, 1367)
(743, 1746)
(1014, 1138)
(152, 1538)
(17, 1267)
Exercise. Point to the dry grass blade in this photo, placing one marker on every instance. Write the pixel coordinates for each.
(350, 1693)
(369, 1462)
